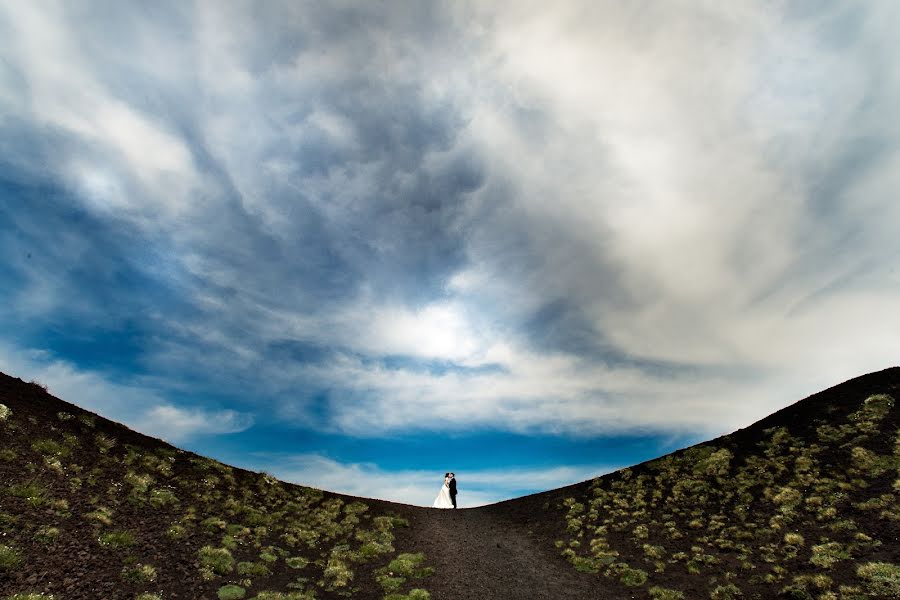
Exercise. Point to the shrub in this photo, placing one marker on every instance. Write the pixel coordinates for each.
(231, 592)
(101, 515)
(10, 558)
(416, 594)
(217, 560)
(27, 596)
(882, 580)
(139, 574)
(31, 492)
(175, 531)
(116, 539)
(827, 554)
(651, 551)
(161, 497)
(793, 539)
(5, 412)
(148, 597)
(726, 592)
(633, 577)
(252, 569)
(390, 583)
(46, 535)
(337, 573)
(104, 443)
(874, 409)
(661, 593)
(408, 565)
(296, 562)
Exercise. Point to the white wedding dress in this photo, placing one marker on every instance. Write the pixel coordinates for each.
(443, 498)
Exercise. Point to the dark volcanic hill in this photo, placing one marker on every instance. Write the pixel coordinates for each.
(802, 504)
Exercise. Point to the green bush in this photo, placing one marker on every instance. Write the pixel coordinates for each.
(633, 577)
(827, 554)
(116, 539)
(46, 535)
(160, 497)
(882, 580)
(726, 592)
(102, 515)
(139, 573)
(296, 562)
(416, 594)
(217, 560)
(408, 565)
(252, 569)
(5, 412)
(661, 593)
(10, 558)
(31, 492)
(231, 592)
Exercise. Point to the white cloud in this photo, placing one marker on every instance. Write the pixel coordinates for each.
(419, 487)
(129, 161)
(175, 424)
(710, 188)
(141, 409)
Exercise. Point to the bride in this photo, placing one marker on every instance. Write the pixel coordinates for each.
(443, 498)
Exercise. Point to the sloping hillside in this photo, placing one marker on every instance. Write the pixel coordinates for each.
(802, 504)
(91, 509)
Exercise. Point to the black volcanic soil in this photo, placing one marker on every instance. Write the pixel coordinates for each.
(479, 553)
(507, 550)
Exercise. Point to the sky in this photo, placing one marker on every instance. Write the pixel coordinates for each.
(360, 244)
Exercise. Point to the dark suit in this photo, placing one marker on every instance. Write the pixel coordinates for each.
(453, 491)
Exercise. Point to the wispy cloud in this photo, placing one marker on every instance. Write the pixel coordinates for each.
(420, 488)
(140, 408)
(577, 219)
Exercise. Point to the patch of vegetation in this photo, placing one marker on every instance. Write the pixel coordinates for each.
(217, 561)
(117, 539)
(139, 573)
(746, 516)
(881, 579)
(252, 569)
(102, 515)
(827, 554)
(661, 593)
(296, 562)
(5, 413)
(10, 558)
(231, 592)
(32, 492)
(104, 443)
(46, 534)
(415, 594)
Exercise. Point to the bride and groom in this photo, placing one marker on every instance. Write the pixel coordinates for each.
(446, 498)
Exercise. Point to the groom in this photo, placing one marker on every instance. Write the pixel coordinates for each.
(453, 488)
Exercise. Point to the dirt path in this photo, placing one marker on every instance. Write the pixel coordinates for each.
(478, 554)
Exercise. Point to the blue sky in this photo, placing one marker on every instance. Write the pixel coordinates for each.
(361, 244)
